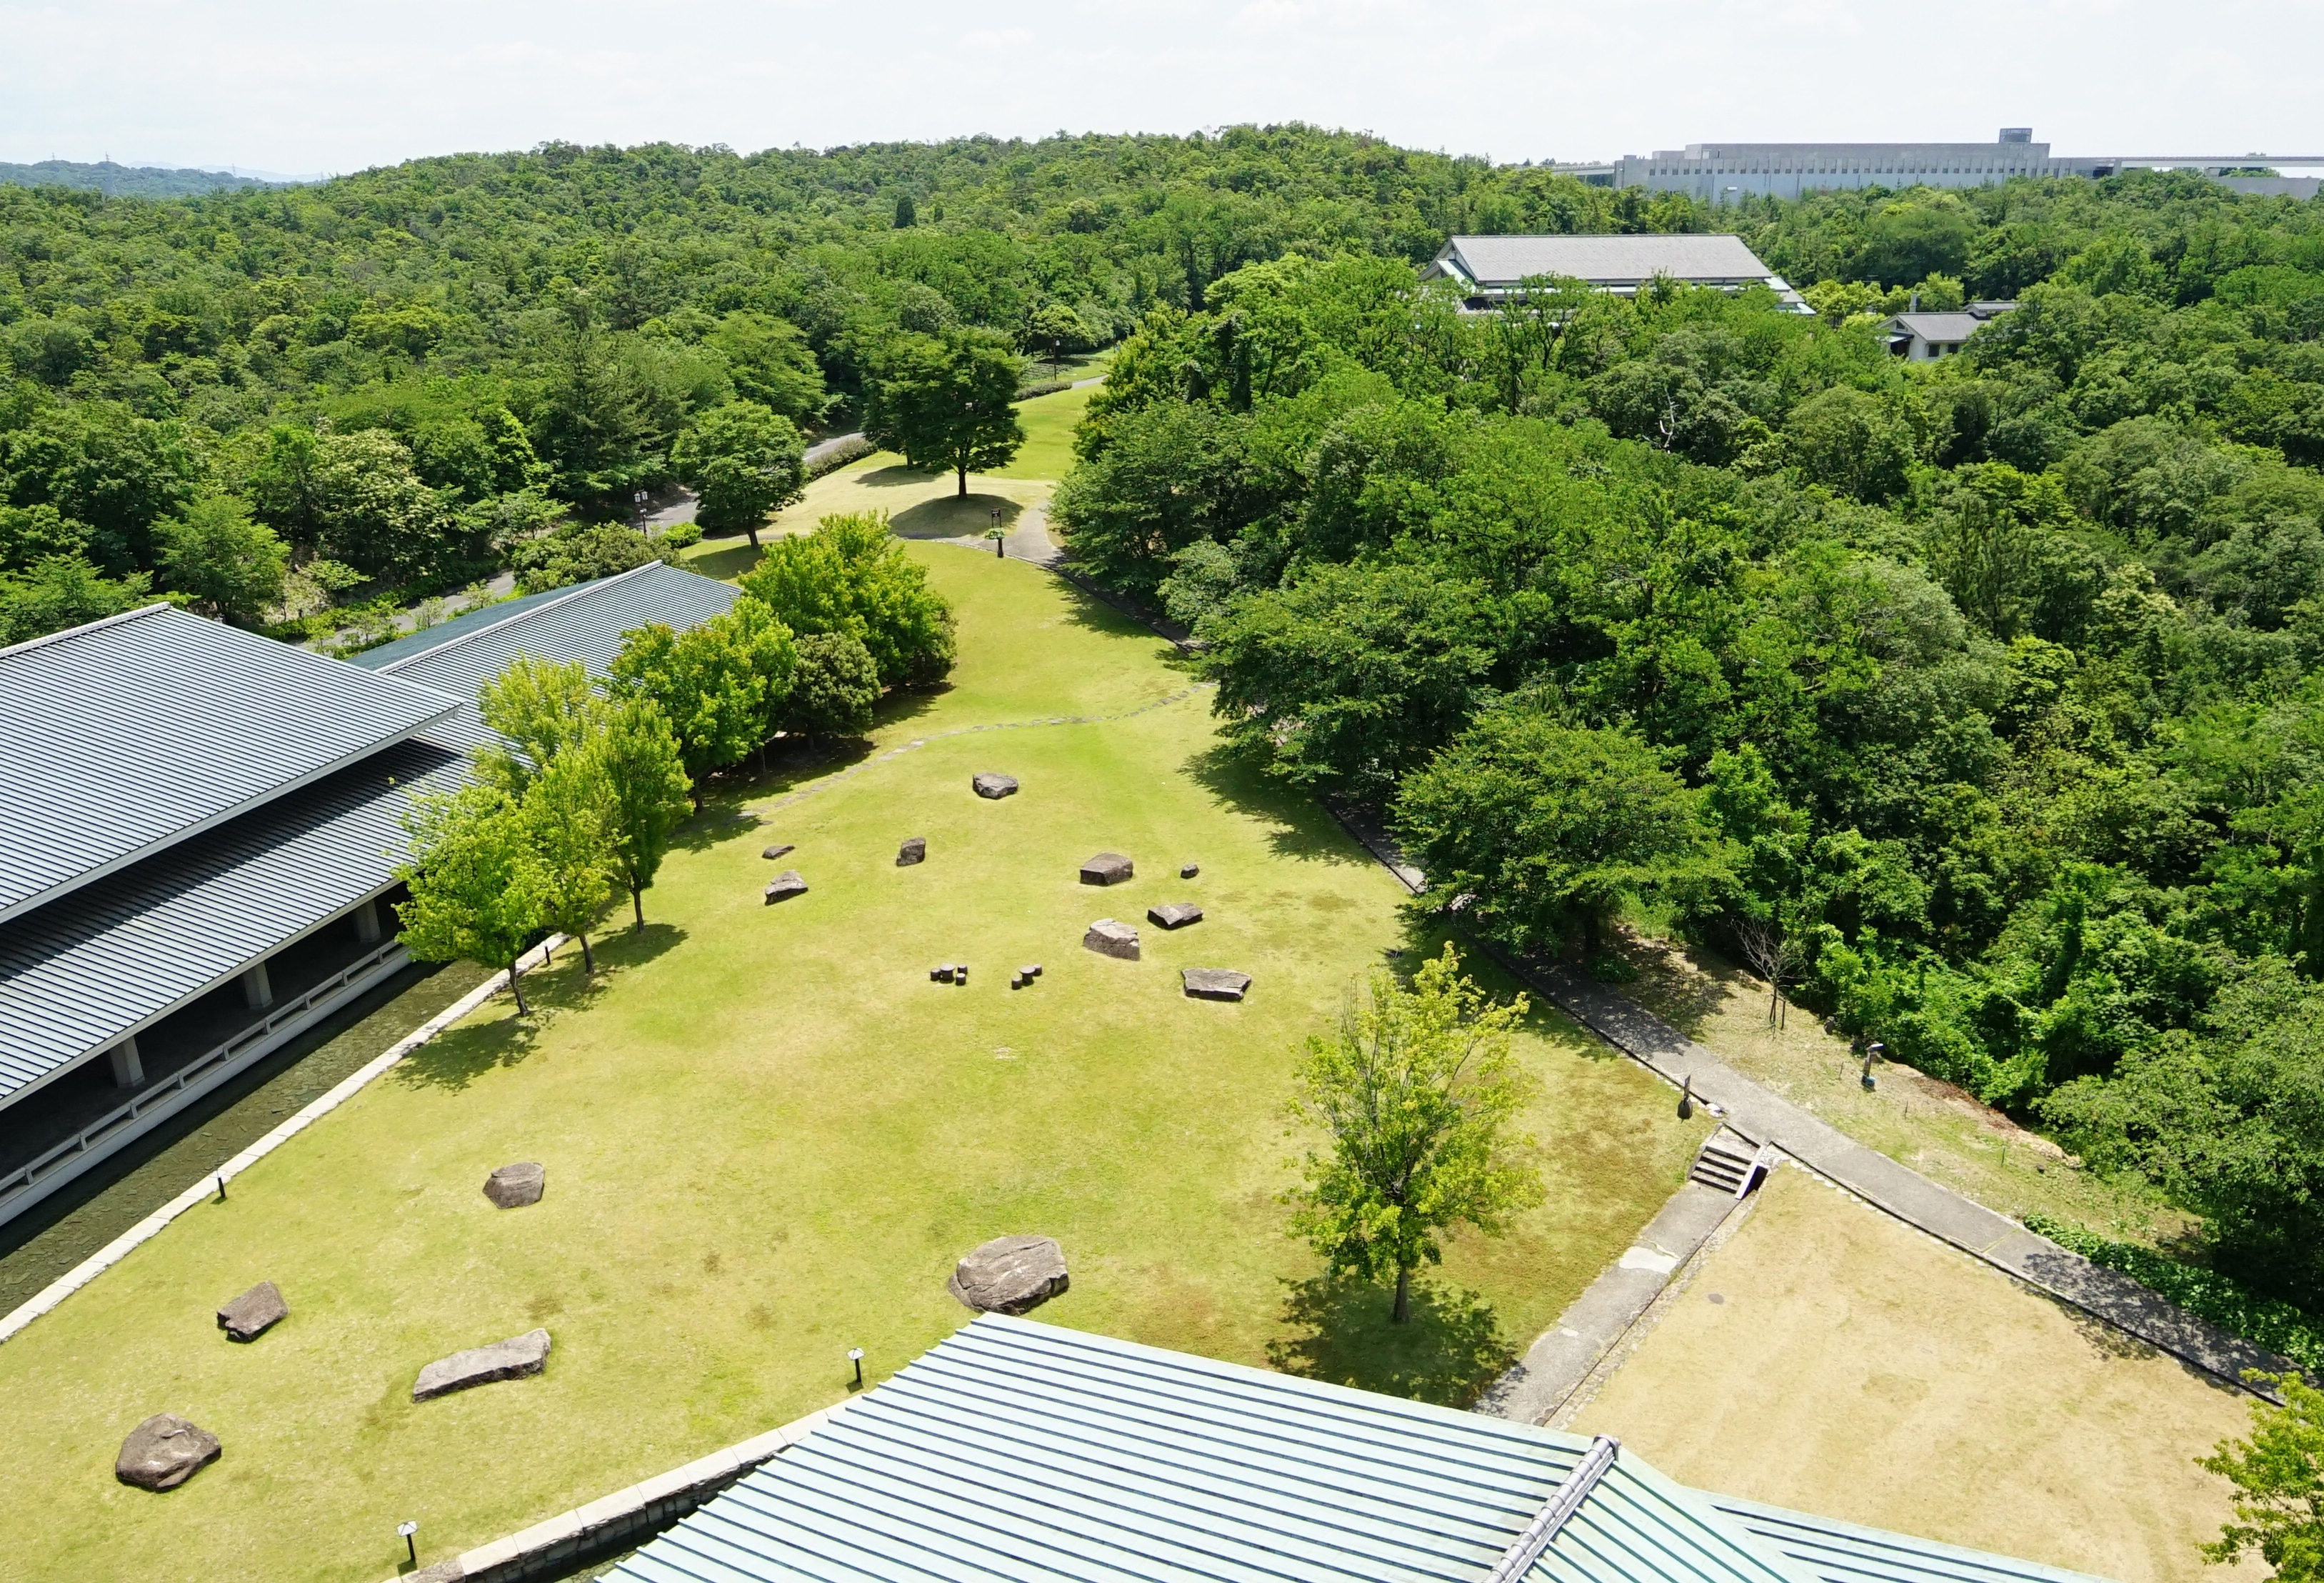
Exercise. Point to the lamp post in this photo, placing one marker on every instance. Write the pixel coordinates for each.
(405, 1530)
(856, 1356)
(638, 498)
(1871, 1052)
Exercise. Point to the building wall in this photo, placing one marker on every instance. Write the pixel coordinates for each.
(1726, 172)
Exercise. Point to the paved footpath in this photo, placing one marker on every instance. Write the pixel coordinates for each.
(1765, 1117)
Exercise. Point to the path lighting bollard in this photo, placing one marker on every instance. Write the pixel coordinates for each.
(1686, 1098)
(1871, 1052)
(221, 1199)
(404, 1531)
(856, 1356)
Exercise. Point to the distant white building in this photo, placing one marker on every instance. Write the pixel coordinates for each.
(1725, 172)
(1490, 270)
(1924, 338)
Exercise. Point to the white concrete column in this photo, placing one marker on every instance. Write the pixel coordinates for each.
(128, 1071)
(367, 919)
(257, 990)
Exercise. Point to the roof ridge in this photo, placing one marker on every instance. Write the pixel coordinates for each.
(527, 614)
(114, 620)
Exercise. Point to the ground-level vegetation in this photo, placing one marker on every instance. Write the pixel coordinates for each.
(767, 1136)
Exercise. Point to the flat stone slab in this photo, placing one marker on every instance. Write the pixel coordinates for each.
(915, 850)
(1010, 1274)
(165, 1450)
(1214, 983)
(1174, 914)
(512, 1359)
(1189, 870)
(779, 849)
(1107, 868)
(512, 1186)
(249, 1316)
(989, 784)
(787, 884)
(1110, 937)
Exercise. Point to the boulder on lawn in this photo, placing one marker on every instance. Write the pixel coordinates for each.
(1010, 1274)
(1186, 870)
(512, 1186)
(1110, 937)
(1214, 983)
(248, 1317)
(1176, 914)
(165, 1450)
(988, 784)
(1107, 868)
(512, 1359)
(787, 884)
(915, 850)
(779, 849)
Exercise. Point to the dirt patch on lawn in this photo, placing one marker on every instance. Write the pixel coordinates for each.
(1832, 1359)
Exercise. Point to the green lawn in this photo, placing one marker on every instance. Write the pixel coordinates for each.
(1048, 421)
(767, 1136)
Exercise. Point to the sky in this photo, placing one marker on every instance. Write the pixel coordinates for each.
(307, 88)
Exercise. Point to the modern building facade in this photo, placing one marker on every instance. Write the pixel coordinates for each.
(203, 829)
(1728, 173)
(1024, 1451)
(1490, 270)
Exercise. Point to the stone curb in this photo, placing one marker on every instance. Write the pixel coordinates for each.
(646, 1507)
(145, 1230)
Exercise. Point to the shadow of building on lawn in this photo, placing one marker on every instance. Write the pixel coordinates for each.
(1337, 1330)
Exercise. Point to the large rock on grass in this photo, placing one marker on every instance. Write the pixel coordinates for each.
(1110, 936)
(512, 1359)
(989, 784)
(1214, 983)
(779, 849)
(1174, 914)
(164, 1452)
(786, 885)
(1010, 1274)
(512, 1186)
(1107, 868)
(249, 1316)
(915, 850)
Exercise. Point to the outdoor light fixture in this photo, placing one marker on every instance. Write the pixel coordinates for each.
(404, 1531)
(1686, 1098)
(221, 1187)
(856, 1356)
(1871, 1051)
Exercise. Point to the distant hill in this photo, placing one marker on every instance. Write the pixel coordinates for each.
(124, 181)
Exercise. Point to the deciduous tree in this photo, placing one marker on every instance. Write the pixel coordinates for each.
(645, 794)
(478, 888)
(745, 463)
(946, 403)
(216, 555)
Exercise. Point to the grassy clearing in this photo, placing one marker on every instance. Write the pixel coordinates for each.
(767, 1136)
(1049, 423)
(1936, 1128)
(1832, 1359)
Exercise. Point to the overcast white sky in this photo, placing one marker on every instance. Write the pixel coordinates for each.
(312, 87)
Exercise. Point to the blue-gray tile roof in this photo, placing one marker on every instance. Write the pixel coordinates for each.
(1022, 1451)
(122, 737)
(91, 967)
(1833, 1551)
(585, 621)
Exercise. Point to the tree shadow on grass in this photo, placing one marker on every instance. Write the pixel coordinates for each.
(1337, 1330)
(894, 475)
(726, 564)
(955, 516)
(1116, 616)
(1300, 826)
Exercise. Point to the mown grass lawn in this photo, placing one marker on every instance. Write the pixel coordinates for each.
(767, 1136)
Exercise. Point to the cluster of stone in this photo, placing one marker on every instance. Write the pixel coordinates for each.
(1025, 976)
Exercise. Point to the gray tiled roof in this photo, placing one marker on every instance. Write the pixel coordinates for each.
(88, 969)
(1833, 1551)
(1021, 1450)
(585, 621)
(123, 737)
(1504, 261)
(1947, 328)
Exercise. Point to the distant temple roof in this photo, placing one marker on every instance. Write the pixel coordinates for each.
(1494, 267)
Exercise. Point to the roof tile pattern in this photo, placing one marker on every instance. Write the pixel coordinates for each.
(1607, 260)
(123, 737)
(585, 621)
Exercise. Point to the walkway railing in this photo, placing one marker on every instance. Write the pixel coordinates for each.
(209, 1064)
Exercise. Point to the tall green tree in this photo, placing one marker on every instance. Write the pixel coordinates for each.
(705, 684)
(1415, 1093)
(833, 688)
(1549, 826)
(645, 794)
(539, 708)
(2279, 1479)
(745, 462)
(478, 888)
(226, 564)
(568, 810)
(851, 575)
(946, 403)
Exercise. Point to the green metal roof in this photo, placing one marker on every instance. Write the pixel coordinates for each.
(1020, 1451)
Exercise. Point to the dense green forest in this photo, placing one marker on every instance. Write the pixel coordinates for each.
(123, 181)
(1976, 700)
